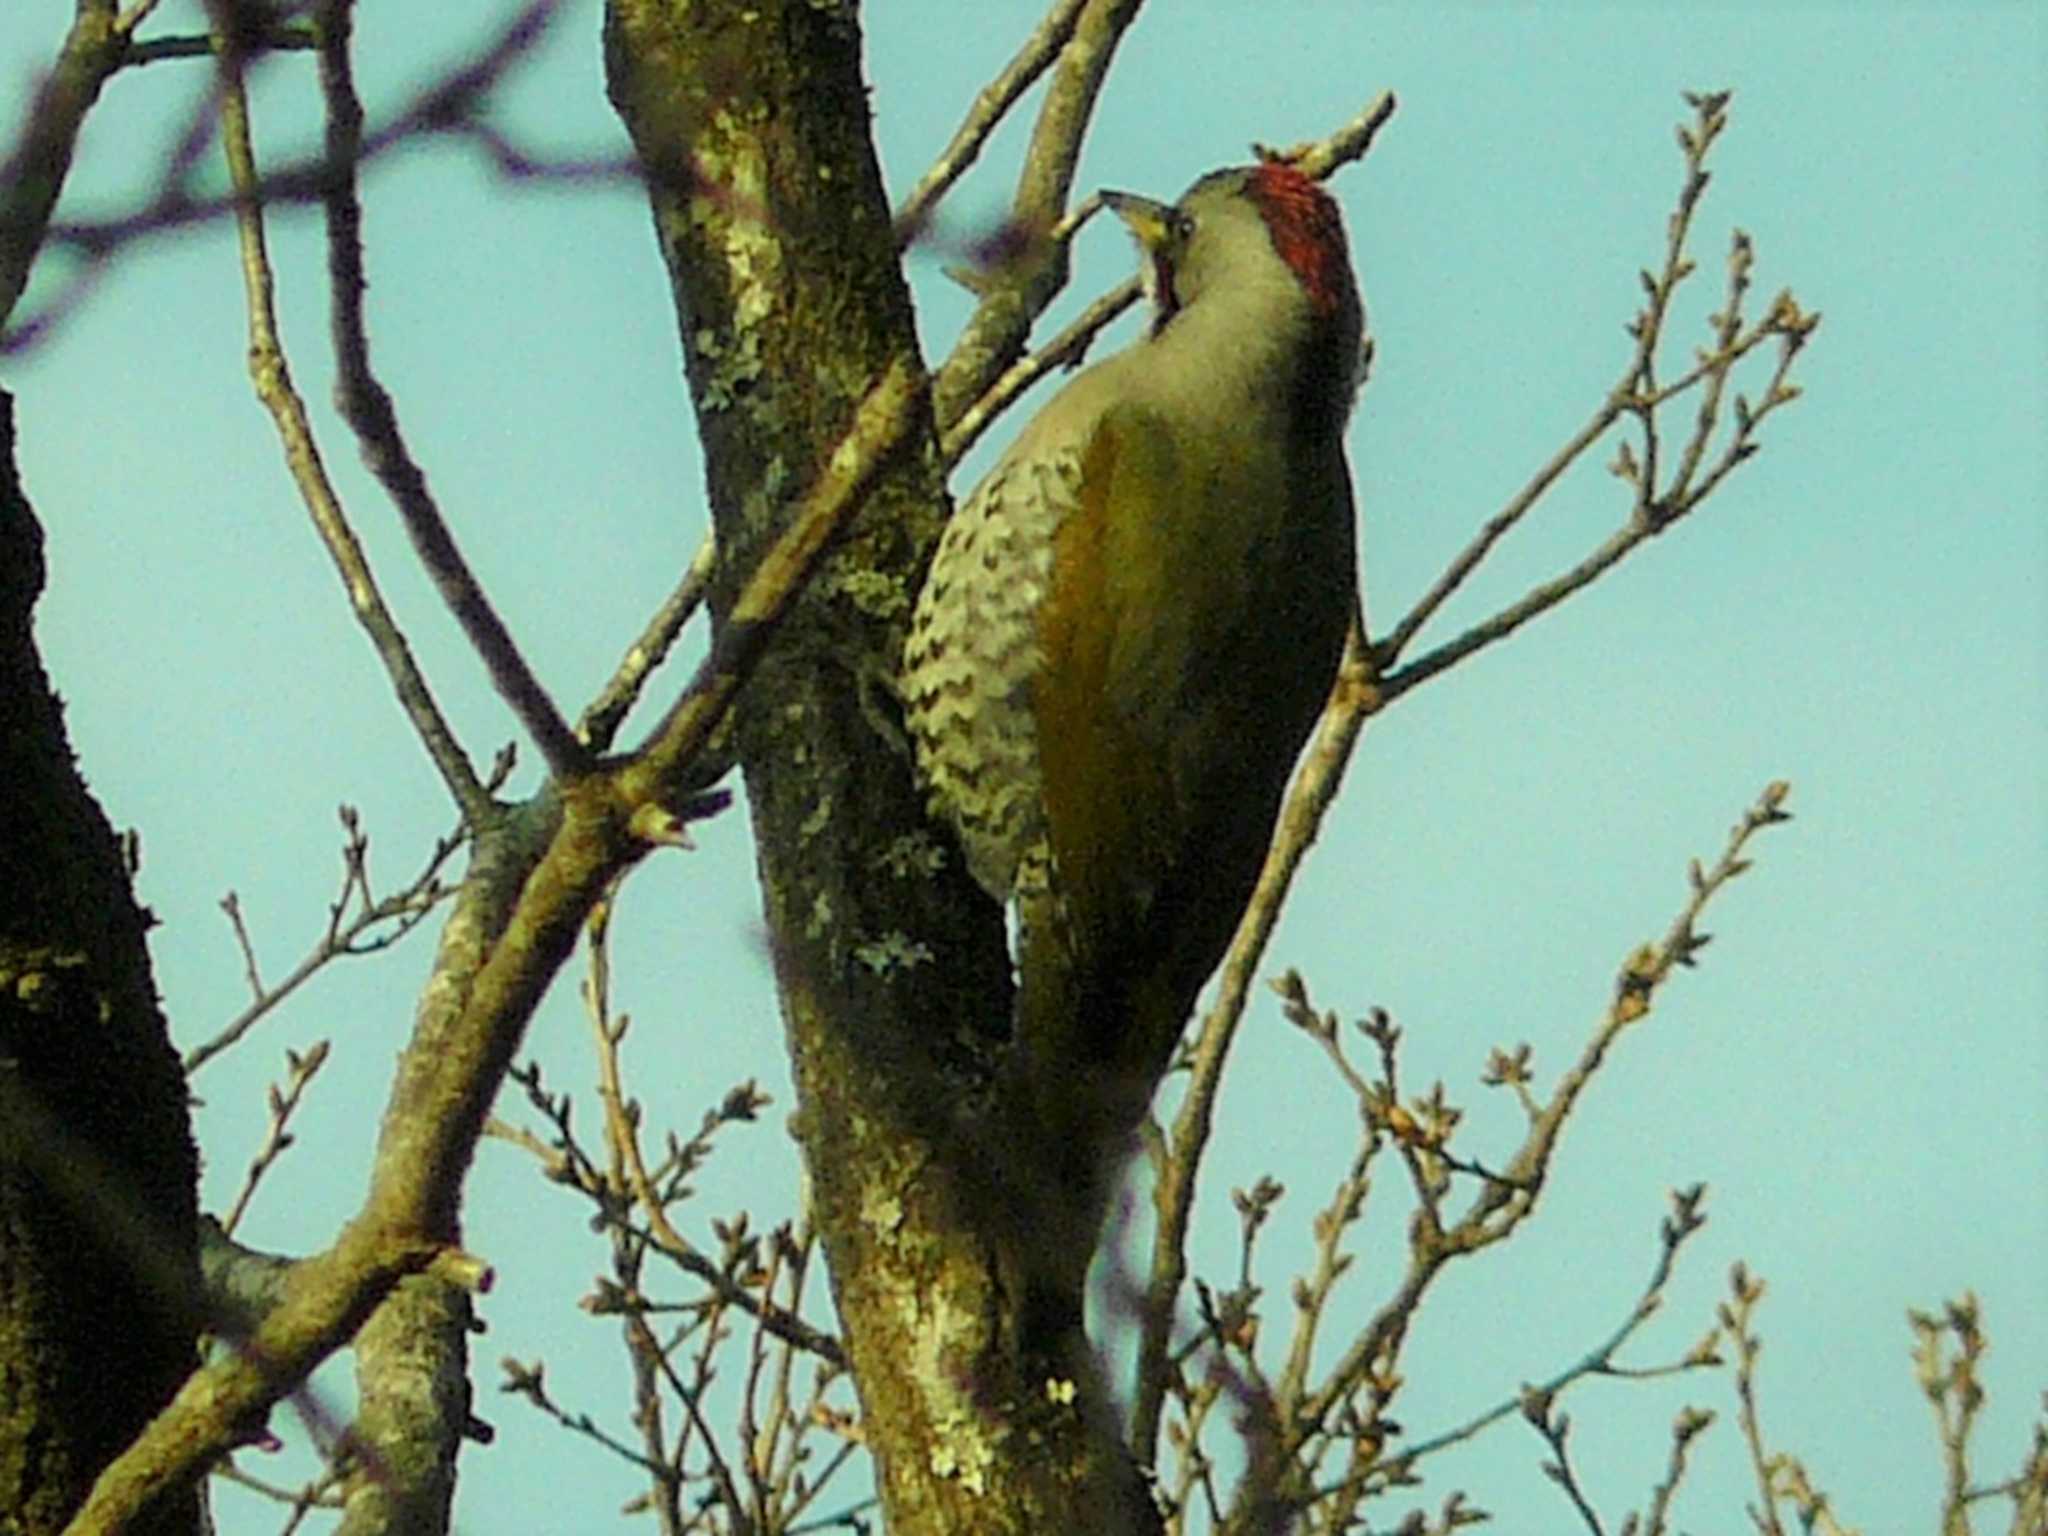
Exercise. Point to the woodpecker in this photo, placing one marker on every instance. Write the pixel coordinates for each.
(1130, 626)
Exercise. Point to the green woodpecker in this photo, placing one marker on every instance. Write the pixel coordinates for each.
(1131, 625)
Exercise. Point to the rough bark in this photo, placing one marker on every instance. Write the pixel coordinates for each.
(98, 1203)
(751, 123)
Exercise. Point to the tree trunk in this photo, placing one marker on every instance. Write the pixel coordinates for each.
(98, 1177)
(751, 122)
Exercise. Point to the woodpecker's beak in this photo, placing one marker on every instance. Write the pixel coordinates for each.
(1148, 220)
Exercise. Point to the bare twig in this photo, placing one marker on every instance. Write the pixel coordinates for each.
(347, 932)
(1690, 1424)
(1686, 1218)
(322, 1492)
(1745, 1291)
(1555, 1428)
(622, 1133)
(284, 1102)
(530, 1382)
(1950, 1376)
(1323, 158)
(1368, 1365)
(1637, 394)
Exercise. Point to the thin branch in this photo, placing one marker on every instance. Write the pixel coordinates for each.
(322, 1492)
(991, 104)
(1315, 786)
(530, 1382)
(1745, 1291)
(231, 904)
(605, 713)
(1555, 1428)
(272, 379)
(1690, 1424)
(1323, 158)
(1016, 296)
(368, 408)
(1651, 515)
(287, 38)
(1951, 1380)
(1647, 329)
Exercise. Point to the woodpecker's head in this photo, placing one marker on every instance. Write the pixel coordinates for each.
(1260, 237)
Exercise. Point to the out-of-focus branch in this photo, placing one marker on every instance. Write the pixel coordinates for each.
(991, 105)
(33, 176)
(450, 107)
(285, 38)
(272, 378)
(369, 410)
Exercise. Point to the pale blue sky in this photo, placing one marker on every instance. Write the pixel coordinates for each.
(1857, 1069)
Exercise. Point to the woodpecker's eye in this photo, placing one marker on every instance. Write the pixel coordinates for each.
(1183, 225)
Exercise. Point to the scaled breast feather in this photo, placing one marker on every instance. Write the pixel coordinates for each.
(969, 663)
